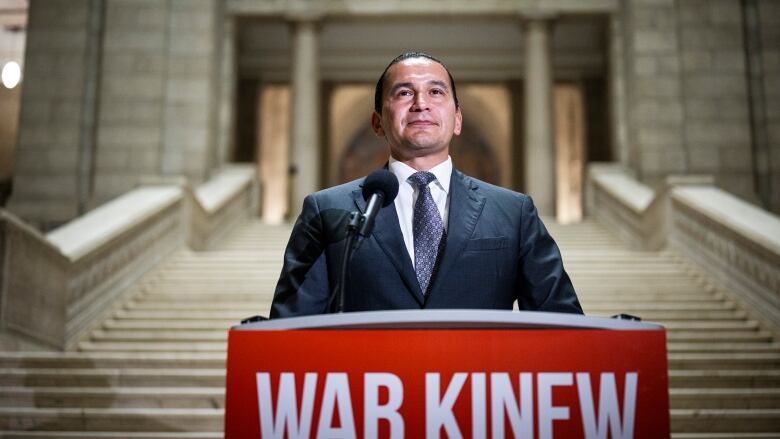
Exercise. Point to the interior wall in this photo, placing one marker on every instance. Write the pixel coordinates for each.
(488, 109)
(570, 141)
(349, 117)
(9, 121)
(273, 151)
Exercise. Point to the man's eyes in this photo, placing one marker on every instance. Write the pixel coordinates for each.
(434, 92)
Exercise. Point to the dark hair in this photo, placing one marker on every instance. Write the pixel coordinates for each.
(380, 85)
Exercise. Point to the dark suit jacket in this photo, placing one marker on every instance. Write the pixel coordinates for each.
(497, 251)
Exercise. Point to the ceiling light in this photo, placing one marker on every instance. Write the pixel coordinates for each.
(11, 74)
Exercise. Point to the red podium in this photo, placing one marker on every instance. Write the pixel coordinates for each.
(454, 373)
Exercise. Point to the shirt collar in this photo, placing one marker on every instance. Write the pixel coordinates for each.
(442, 171)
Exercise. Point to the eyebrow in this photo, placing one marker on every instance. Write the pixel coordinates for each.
(410, 85)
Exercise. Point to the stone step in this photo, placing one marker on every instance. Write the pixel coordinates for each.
(686, 315)
(660, 306)
(719, 336)
(203, 346)
(159, 336)
(729, 435)
(225, 258)
(642, 289)
(203, 296)
(708, 326)
(113, 397)
(264, 301)
(608, 258)
(108, 435)
(715, 378)
(626, 277)
(112, 419)
(125, 377)
(696, 326)
(724, 360)
(85, 360)
(165, 325)
(264, 264)
(725, 420)
(189, 292)
(199, 306)
(683, 398)
(734, 348)
(592, 269)
(669, 298)
(636, 285)
(619, 271)
(705, 342)
(191, 277)
(237, 315)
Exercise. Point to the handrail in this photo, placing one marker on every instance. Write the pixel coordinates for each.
(97, 228)
(735, 242)
(630, 208)
(56, 286)
(231, 196)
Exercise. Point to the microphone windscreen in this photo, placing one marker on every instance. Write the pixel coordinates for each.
(383, 181)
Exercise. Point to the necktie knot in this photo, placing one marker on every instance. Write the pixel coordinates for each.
(421, 178)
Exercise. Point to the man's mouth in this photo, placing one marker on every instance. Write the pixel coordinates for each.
(422, 123)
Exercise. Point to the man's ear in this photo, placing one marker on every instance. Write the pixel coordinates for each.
(458, 122)
(376, 124)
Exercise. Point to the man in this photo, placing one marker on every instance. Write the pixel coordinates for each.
(447, 241)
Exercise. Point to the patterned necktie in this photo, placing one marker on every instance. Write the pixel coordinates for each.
(427, 229)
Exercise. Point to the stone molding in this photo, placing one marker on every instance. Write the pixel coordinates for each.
(630, 209)
(381, 8)
(54, 287)
(736, 243)
(218, 205)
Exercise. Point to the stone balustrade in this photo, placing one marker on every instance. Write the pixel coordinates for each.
(735, 242)
(228, 198)
(56, 285)
(630, 209)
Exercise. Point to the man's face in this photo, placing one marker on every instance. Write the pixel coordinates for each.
(419, 116)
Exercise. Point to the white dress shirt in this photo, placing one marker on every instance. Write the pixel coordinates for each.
(407, 196)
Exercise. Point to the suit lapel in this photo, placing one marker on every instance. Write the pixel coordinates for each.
(387, 233)
(465, 209)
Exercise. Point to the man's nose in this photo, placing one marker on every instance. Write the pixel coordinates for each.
(419, 103)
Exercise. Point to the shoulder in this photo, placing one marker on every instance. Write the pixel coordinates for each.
(340, 194)
(491, 191)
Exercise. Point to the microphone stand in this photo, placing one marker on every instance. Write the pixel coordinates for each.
(360, 226)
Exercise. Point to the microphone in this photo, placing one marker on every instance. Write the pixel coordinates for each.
(379, 190)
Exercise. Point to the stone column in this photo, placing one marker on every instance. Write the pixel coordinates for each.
(538, 113)
(617, 92)
(54, 154)
(227, 95)
(304, 117)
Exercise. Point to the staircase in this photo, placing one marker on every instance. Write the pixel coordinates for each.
(724, 367)
(156, 367)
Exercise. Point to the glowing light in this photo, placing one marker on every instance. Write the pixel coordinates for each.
(11, 74)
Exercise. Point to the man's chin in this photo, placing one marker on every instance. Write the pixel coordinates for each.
(419, 149)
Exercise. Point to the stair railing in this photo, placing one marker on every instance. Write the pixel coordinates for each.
(735, 242)
(56, 286)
